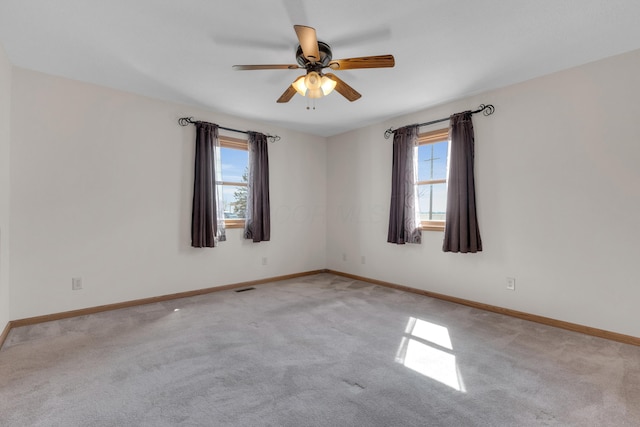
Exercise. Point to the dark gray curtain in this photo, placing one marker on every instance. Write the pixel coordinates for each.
(258, 216)
(404, 226)
(205, 230)
(461, 233)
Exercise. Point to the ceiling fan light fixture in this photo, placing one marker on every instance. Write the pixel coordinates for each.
(312, 80)
(315, 93)
(313, 85)
(327, 85)
(299, 85)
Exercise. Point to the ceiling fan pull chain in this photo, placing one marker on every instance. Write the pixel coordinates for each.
(313, 100)
(313, 107)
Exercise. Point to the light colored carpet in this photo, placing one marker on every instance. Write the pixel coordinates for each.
(316, 351)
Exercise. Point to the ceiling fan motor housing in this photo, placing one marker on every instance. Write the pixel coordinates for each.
(325, 58)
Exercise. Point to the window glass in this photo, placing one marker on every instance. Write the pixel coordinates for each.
(234, 164)
(433, 151)
(234, 158)
(432, 199)
(432, 161)
(432, 175)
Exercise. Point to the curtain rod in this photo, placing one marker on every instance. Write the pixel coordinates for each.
(487, 110)
(185, 121)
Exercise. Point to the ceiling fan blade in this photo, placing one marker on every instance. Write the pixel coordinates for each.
(344, 89)
(379, 61)
(267, 67)
(287, 95)
(308, 42)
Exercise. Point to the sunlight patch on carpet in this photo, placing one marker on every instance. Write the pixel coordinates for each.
(426, 348)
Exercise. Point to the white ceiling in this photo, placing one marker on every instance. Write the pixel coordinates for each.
(183, 50)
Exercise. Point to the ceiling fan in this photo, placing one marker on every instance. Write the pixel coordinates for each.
(314, 56)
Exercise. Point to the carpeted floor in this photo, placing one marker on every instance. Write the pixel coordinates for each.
(316, 351)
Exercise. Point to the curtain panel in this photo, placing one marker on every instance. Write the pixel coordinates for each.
(404, 223)
(461, 233)
(258, 215)
(207, 220)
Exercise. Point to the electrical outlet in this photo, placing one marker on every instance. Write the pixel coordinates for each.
(264, 260)
(76, 284)
(363, 259)
(344, 257)
(511, 283)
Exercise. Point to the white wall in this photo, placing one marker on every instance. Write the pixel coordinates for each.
(102, 185)
(101, 189)
(5, 115)
(558, 188)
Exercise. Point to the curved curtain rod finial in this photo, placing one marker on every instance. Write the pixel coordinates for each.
(388, 133)
(487, 110)
(185, 121)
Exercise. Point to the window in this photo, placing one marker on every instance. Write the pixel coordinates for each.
(234, 157)
(433, 150)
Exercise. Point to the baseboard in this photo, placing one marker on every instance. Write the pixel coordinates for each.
(108, 307)
(5, 333)
(601, 333)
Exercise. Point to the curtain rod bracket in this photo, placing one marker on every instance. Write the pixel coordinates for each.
(186, 121)
(486, 110)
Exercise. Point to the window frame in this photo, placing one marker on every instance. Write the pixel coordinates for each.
(236, 144)
(426, 138)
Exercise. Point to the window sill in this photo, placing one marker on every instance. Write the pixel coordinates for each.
(432, 226)
(234, 223)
